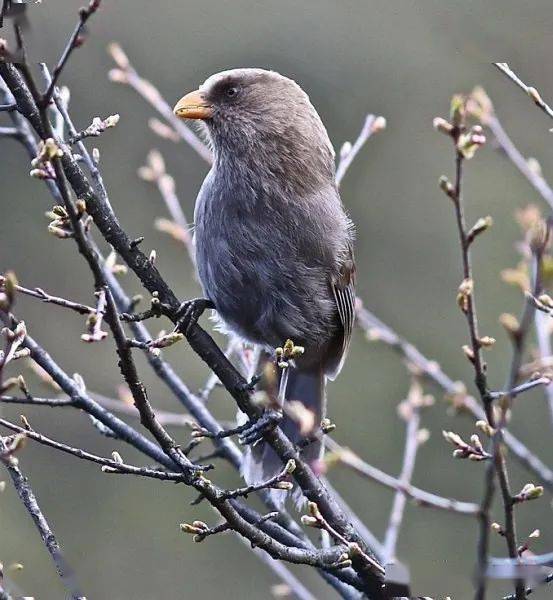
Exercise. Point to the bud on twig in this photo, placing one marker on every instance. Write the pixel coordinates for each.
(468, 352)
(486, 341)
(473, 451)
(446, 187)
(464, 294)
(164, 341)
(117, 457)
(510, 323)
(442, 126)
(539, 234)
(310, 521)
(457, 110)
(479, 227)
(528, 492)
(468, 143)
(485, 428)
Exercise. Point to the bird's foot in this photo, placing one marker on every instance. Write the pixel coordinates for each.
(249, 386)
(254, 430)
(190, 311)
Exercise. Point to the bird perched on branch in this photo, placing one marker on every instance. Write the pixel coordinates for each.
(273, 242)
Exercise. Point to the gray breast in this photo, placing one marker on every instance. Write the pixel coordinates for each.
(267, 269)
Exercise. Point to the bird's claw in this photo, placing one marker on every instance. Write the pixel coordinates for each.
(190, 311)
(249, 386)
(268, 420)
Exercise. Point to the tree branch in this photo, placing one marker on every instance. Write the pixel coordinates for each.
(30, 502)
(200, 341)
(126, 74)
(74, 41)
(531, 91)
(431, 370)
(407, 469)
(348, 152)
(421, 497)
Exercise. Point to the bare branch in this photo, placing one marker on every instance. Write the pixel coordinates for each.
(543, 334)
(126, 74)
(407, 469)
(375, 329)
(111, 466)
(421, 497)
(30, 502)
(533, 175)
(39, 293)
(523, 387)
(37, 401)
(372, 125)
(74, 41)
(531, 91)
(154, 172)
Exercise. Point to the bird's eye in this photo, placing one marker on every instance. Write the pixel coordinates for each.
(231, 92)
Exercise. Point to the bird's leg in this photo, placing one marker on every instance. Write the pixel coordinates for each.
(254, 431)
(271, 417)
(282, 386)
(190, 311)
(250, 431)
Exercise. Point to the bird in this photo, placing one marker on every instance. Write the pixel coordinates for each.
(273, 241)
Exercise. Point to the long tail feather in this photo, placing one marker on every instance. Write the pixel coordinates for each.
(260, 461)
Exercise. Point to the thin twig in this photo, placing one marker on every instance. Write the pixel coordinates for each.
(74, 41)
(154, 172)
(531, 91)
(523, 387)
(112, 466)
(171, 379)
(400, 498)
(272, 482)
(39, 293)
(376, 330)
(421, 497)
(34, 401)
(9, 132)
(30, 502)
(543, 335)
(464, 140)
(372, 125)
(533, 176)
(126, 74)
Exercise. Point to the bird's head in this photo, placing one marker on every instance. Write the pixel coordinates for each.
(252, 111)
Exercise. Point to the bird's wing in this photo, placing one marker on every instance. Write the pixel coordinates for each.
(343, 288)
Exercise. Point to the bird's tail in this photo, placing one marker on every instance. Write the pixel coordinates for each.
(260, 461)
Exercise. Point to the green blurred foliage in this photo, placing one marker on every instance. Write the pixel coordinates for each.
(400, 59)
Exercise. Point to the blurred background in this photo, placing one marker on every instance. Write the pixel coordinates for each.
(402, 60)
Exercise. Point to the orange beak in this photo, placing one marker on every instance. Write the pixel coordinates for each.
(193, 106)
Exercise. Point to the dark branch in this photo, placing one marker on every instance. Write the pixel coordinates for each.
(29, 500)
(74, 41)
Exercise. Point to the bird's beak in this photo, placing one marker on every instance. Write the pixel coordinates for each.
(193, 106)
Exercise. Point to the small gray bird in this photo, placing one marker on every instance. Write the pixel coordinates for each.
(274, 245)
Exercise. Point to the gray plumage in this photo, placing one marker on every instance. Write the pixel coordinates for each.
(273, 242)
